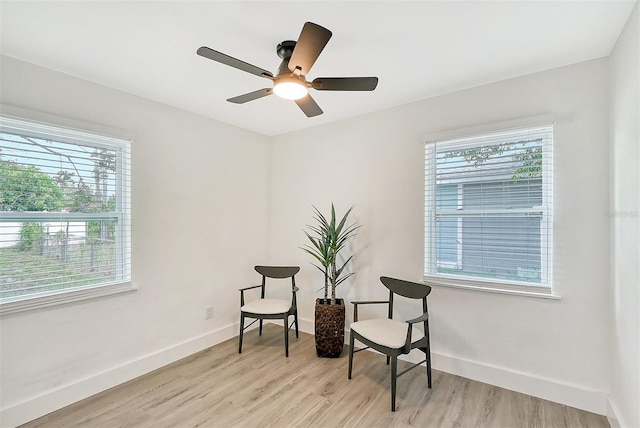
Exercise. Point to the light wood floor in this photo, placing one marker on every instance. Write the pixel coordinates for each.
(261, 388)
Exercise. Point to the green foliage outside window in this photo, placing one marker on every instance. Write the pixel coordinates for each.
(44, 256)
(26, 188)
(31, 236)
(530, 157)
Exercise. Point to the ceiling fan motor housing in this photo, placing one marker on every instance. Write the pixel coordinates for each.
(285, 50)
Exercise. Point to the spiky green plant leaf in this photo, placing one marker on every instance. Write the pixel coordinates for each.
(328, 237)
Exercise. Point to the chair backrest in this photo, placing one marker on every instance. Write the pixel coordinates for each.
(277, 271)
(411, 290)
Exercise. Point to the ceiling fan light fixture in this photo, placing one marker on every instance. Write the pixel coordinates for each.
(290, 80)
(290, 88)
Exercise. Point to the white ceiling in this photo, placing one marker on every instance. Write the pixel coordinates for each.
(418, 49)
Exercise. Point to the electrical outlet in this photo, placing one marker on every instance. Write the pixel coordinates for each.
(208, 312)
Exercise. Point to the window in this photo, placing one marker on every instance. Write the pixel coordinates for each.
(488, 210)
(64, 214)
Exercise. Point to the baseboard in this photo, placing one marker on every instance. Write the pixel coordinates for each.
(538, 386)
(526, 383)
(307, 326)
(613, 415)
(65, 395)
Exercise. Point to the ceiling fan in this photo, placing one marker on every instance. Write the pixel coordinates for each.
(290, 82)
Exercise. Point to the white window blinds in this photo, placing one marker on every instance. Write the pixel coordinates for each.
(488, 207)
(64, 210)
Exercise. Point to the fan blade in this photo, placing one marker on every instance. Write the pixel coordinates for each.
(309, 106)
(233, 62)
(312, 40)
(345, 83)
(241, 99)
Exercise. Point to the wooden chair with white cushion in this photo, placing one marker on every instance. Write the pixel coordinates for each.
(392, 337)
(262, 308)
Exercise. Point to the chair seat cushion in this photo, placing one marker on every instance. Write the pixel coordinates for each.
(386, 332)
(267, 306)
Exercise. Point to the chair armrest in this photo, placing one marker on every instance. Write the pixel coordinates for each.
(411, 322)
(249, 288)
(364, 302)
(423, 317)
(242, 290)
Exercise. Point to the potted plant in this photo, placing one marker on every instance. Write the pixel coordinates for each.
(327, 240)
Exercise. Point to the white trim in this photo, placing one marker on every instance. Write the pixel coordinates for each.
(36, 116)
(49, 401)
(307, 326)
(471, 137)
(492, 286)
(27, 302)
(504, 212)
(471, 131)
(614, 417)
(42, 216)
(549, 389)
(546, 224)
(21, 121)
(526, 383)
(429, 250)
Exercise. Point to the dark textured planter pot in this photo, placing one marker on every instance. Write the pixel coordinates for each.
(329, 328)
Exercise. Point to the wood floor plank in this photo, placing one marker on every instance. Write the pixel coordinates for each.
(261, 388)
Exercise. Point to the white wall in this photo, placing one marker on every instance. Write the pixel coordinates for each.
(199, 203)
(554, 349)
(204, 176)
(625, 229)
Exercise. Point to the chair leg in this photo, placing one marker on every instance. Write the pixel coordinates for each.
(387, 360)
(286, 336)
(296, 320)
(351, 343)
(260, 334)
(428, 364)
(428, 353)
(241, 332)
(394, 375)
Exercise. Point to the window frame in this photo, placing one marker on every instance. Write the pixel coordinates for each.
(546, 241)
(121, 142)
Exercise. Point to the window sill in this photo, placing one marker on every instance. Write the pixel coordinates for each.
(492, 287)
(44, 300)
